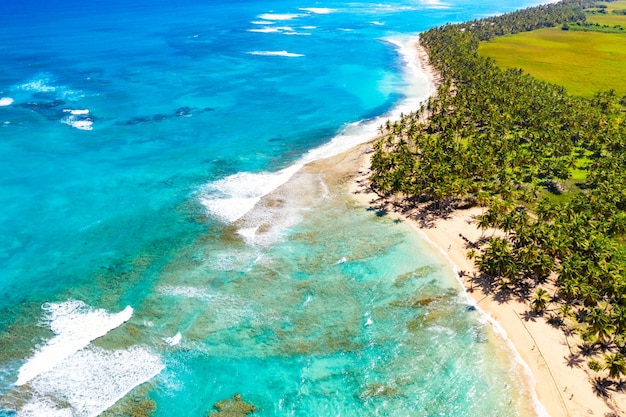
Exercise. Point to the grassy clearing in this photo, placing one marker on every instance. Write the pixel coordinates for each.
(615, 5)
(607, 19)
(582, 62)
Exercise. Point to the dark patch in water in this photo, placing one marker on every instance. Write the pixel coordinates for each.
(45, 105)
(135, 121)
(159, 117)
(183, 111)
(56, 110)
(233, 407)
(50, 109)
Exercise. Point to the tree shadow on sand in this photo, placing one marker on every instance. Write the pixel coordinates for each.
(574, 360)
(421, 209)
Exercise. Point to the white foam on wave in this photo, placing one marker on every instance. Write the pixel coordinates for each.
(318, 10)
(78, 123)
(262, 22)
(45, 83)
(276, 53)
(39, 84)
(230, 260)
(284, 30)
(267, 225)
(418, 87)
(43, 407)
(231, 198)
(278, 16)
(188, 292)
(89, 382)
(75, 325)
(76, 111)
(265, 30)
(434, 4)
(174, 340)
(248, 234)
(5, 101)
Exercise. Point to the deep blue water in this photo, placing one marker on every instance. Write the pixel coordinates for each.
(135, 138)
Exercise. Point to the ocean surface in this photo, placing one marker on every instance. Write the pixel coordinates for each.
(145, 269)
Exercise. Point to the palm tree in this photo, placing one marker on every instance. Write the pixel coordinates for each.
(615, 364)
(618, 317)
(497, 259)
(600, 324)
(540, 300)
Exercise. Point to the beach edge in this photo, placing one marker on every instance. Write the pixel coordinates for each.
(561, 390)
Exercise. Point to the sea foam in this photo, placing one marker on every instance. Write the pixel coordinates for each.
(232, 197)
(39, 84)
(318, 10)
(285, 16)
(76, 111)
(188, 292)
(265, 30)
(77, 122)
(6, 101)
(89, 382)
(434, 4)
(276, 53)
(75, 325)
(174, 340)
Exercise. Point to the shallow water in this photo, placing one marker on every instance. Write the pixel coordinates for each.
(140, 259)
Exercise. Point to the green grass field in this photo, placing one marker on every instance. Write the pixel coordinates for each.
(582, 62)
(615, 5)
(607, 19)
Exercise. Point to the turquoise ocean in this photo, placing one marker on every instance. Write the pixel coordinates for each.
(142, 262)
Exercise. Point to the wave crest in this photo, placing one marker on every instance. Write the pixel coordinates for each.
(75, 325)
(276, 53)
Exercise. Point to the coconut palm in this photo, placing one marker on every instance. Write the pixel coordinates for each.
(540, 300)
(615, 364)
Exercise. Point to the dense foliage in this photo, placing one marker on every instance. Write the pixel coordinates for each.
(503, 139)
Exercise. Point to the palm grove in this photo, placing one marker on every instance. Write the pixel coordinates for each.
(506, 141)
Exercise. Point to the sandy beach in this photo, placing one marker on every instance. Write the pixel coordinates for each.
(563, 390)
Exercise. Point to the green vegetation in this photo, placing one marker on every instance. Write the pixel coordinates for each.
(577, 57)
(593, 27)
(613, 6)
(607, 19)
(582, 62)
(504, 139)
(603, 16)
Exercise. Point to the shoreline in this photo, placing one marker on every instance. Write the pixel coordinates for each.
(560, 390)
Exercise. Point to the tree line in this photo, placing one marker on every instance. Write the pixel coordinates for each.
(509, 142)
